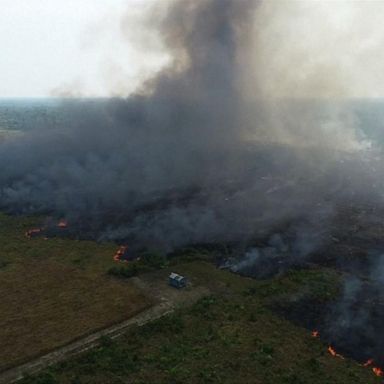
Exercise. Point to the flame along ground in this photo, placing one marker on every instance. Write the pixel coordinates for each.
(376, 370)
(62, 224)
(315, 333)
(368, 364)
(123, 255)
(334, 353)
(119, 253)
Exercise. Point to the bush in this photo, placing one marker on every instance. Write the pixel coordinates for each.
(154, 259)
(203, 305)
(124, 272)
(3, 263)
(105, 341)
(43, 378)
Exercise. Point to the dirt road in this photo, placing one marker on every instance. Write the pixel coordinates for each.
(154, 285)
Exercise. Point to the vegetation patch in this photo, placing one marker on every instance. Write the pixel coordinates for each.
(54, 291)
(231, 336)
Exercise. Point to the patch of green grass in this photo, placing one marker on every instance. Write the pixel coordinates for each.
(316, 284)
(228, 337)
(54, 291)
(124, 271)
(4, 263)
(154, 259)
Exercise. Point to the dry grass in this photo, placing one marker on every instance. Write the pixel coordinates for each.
(54, 291)
(230, 338)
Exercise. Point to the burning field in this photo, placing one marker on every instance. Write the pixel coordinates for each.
(347, 317)
(338, 303)
(251, 143)
(54, 291)
(233, 330)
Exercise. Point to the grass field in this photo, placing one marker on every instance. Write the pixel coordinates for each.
(229, 337)
(54, 291)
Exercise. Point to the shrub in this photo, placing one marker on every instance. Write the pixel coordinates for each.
(202, 305)
(154, 259)
(3, 263)
(105, 341)
(43, 378)
(123, 271)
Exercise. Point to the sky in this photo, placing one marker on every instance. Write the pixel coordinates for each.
(302, 48)
(325, 48)
(71, 47)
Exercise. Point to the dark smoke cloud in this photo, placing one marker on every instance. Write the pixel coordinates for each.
(197, 154)
(214, 149)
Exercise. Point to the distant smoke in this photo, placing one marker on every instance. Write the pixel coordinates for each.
(203, 152)
(284, 251)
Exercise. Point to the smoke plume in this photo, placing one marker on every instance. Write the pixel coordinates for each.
(208, 150)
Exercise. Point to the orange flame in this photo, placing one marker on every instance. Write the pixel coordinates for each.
(378, 371)
(32, 232)
(119, 253)
(62, 223)
(368, 363)
(334, 353)
(315, 333)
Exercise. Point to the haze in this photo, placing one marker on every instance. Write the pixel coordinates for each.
(72, 47)
(91, 48)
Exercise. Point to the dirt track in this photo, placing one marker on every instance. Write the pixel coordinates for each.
(167, 298)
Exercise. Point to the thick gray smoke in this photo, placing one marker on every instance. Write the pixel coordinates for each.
(200, 153)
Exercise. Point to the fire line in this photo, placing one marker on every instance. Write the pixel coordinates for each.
(62, 224)
(120, 252)
(334, 353)
(369, 363)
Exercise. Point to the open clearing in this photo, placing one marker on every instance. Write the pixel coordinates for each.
(55, 291)
(229, 336)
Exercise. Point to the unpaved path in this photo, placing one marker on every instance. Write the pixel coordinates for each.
(154, 285)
